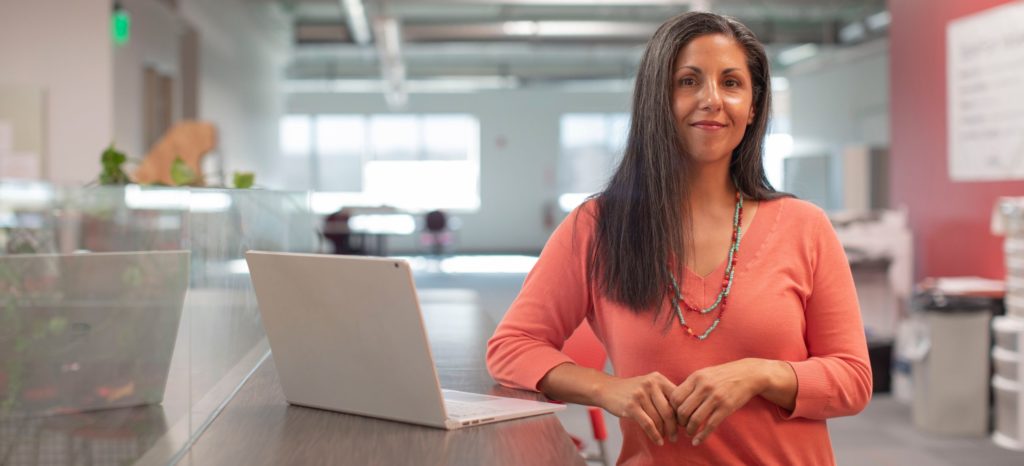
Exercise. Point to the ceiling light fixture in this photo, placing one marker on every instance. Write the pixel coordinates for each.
(358, 25)
(392, 67)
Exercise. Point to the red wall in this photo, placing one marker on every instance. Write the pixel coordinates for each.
(950, 220)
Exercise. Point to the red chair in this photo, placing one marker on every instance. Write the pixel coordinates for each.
(587, 351)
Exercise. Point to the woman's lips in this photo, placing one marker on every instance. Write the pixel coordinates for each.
(708, 126)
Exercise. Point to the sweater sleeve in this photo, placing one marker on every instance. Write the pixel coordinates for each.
(554, 300)
(835, 380)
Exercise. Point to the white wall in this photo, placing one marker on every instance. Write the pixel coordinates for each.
(844, 100)
(839, 101)
(64, 48)
(517, 177)
(242, 51)
(155, 42)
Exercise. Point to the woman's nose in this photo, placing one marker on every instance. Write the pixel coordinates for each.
(710, 99)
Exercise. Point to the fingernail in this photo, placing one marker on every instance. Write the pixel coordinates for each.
(674, 438)
(661, 442)
(696, 441)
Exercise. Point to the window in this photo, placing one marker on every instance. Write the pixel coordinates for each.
(296, 135)
(340, 148)
(395, 137)
(409, 161)
(779, 143)
(591, 148)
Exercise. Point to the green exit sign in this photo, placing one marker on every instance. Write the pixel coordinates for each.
(120, 26)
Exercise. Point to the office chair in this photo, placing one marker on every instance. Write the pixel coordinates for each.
(437, 234)
(336, 231)
(587, 351)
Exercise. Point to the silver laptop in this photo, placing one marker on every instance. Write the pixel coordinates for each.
(88, 331)
(347, 335)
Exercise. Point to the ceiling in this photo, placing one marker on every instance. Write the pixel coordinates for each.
(535, 42)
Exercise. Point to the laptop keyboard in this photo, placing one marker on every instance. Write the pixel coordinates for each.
(462, 409)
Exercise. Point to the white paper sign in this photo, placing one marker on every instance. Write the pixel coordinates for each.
(985, 95)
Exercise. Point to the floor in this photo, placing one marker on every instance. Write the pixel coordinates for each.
(881, 435)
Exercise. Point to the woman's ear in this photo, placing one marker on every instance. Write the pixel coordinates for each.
(750, 119)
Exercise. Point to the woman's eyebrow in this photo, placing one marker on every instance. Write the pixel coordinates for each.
(700, 71)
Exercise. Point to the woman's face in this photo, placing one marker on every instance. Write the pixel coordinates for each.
(712, 97)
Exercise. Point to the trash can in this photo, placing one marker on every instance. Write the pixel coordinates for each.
(950, 370)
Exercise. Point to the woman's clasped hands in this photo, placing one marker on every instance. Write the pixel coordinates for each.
(695, 407)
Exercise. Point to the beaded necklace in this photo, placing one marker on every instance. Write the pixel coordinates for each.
(723, 295)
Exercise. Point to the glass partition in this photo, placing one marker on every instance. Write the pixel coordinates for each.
(127, 317)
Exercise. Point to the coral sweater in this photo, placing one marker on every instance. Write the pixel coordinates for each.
(793, 299)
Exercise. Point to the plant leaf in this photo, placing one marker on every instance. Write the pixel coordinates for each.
(182, 174)
(244, 180)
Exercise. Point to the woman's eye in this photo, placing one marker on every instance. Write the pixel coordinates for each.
(687, 82)
(732, 83)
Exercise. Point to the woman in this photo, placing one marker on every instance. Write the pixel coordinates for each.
(728, 310)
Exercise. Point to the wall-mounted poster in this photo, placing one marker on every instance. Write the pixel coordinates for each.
(985, 69)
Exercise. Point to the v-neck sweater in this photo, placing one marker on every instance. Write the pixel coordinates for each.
(793, 299)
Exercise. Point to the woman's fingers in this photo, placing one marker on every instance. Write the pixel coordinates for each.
(698, 417)
(714, 420)
(645, 401)
(636, 413)
(687, 406)
(666, 413)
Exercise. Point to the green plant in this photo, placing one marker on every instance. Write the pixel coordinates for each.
(112, 173)
(182, 174)
(244, 180)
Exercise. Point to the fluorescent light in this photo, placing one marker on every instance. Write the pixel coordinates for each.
(358, 25)
(520, 28)
(392, 68)
(340, 86)
(595, 85)
(455, 84)
(439, 85)
(797, 54)
(878, 20)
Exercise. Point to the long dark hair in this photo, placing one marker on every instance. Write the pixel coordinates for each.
(642, 217)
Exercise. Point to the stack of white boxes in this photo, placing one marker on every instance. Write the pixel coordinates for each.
(1008, 331)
